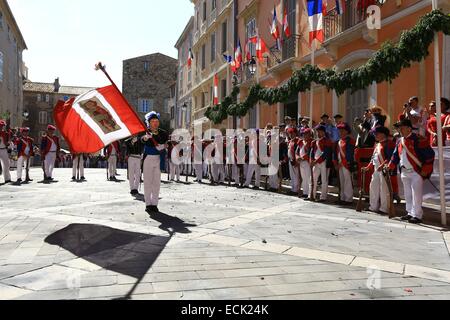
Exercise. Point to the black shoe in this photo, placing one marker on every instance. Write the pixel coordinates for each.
(406, 218)
(149, 210)
(134, 192)
(28, 180)
(8, 181)
(155, 209)
(74, 179)
(415, 221)
(18, 182)
(83, 179)
(255, 188)
(398, 199)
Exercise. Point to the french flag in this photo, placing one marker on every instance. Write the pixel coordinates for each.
(190, 58)
(287, 30)
(315, 8)
(340, 7)
(238, 55)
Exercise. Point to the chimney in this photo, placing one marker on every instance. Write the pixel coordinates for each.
(56, 85)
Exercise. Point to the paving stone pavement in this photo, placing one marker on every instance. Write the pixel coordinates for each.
(93, 240)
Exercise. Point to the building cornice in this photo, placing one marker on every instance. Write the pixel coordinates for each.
(188, 29)
(249, 10)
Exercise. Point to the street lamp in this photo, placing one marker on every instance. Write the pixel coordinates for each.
(381, 2)
(252, 66)
(184, 107)
(26, 114)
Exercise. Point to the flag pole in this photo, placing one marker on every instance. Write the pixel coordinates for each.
(437, 86)
(311, 101)
(102, 67)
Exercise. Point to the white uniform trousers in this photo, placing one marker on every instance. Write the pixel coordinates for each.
(305, 171)
(320, 170)
(413, 185)
(152, 180)
(206, 170)
(175, 170)
(198, 171)
(218, 173)
(378, 193)
(345, 178)
(112, 165)
(4, 158)
(235, 174)
(134, 172)
(274, 181)
(49, 164)
(75, 166)
(21, 162)
(253, 169)
(294, 174)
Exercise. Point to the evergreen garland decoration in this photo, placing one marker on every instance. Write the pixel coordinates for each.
(385, 65)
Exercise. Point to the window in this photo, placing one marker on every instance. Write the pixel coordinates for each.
(43, 117)
(203, 57)
(1, 65)
(251, 32)
(39, 97)
(213, 47)
(204, 11)
(1, 20)
(181, 81)
(213, 5)
(203, 99)
(224, 36)
(47, 98)
(172, 113)
(145, 105)
(146, 66)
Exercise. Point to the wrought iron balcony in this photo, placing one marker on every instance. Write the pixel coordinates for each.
(288, 50)
(353, 15)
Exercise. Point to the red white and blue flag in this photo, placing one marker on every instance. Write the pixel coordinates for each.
(238, 55)
(315, 8)
(274, 30)
(190, 58)
(340, 7)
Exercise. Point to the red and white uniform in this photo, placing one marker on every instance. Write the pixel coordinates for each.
(321, 153)
(293, 164)
(24, 151)
(303, 152)
(50, 149)
(112, 153)
(4, 157)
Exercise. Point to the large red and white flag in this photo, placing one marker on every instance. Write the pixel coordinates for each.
(96, 119)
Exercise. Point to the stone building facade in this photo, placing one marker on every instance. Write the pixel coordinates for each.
(12, 70)
(146, 84)
(183, 107)
(39, 100)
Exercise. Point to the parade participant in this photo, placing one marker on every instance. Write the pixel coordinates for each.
(25, 150)
(49, 150)
(416, 158)
(134, 153)
(273, 179)
(154, 141)
(365, 144)
(432, 123)
(321, 156)
(344, 161)
(78, 164)
(293, 164)
(5, 138)
(254, 168)
(413, 112)
(379, 192)
(303, 156)
(218, 171)
(197, 152)
(112, 154)
(175, 169)
(446, 123)
(379, 119)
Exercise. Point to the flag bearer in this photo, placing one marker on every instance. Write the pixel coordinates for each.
(154, 141)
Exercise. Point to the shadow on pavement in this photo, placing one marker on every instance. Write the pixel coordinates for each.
(170, 224)
(123, 252)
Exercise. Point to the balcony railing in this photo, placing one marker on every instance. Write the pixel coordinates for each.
(288, 50)
(335, 23)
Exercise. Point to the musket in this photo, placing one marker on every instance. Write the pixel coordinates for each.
(360, 205)
(387, 177)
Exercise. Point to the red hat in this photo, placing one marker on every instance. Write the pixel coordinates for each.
(2, 123)
(51, 128)
(24, 129)
(344, 126)
(292, 131)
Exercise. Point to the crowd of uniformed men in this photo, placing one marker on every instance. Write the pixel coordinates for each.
(311, 156)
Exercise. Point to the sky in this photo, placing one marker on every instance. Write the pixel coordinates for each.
(66, 38)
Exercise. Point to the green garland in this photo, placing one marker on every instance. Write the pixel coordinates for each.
(385, 65)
